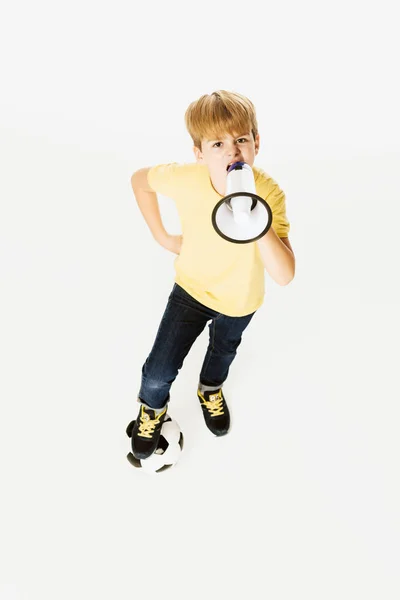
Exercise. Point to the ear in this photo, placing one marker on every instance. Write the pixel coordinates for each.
(257, 143)
(198, 154)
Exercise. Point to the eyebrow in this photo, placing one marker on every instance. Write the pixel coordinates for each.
(238, 136)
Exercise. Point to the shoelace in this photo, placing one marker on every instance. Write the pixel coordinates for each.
(215, 407)
(147, 425)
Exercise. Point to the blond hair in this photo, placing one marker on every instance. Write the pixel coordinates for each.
(213, 115)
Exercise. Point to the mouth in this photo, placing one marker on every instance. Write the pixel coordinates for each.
(232, 163)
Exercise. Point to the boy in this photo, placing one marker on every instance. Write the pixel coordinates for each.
(215, 279)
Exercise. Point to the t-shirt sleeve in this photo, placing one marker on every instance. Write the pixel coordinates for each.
(268, 189)
(163, 179)
(277, 201)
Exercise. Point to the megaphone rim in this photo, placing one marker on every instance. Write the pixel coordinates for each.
(255, 197)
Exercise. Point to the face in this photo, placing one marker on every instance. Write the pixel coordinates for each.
(218, 154)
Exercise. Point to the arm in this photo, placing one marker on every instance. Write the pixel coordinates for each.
(148, 203)
(277, 256)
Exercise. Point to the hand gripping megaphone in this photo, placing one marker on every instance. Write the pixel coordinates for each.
(241, 216)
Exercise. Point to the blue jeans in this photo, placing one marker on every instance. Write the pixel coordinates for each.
(183, 321)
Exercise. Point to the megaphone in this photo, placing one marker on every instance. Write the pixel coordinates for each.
(241, 216)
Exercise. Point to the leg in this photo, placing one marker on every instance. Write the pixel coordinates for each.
(225, 337)
(183, 321)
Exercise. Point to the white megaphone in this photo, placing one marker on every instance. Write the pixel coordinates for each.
(241, 216)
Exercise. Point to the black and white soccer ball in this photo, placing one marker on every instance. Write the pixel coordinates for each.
(168, 449)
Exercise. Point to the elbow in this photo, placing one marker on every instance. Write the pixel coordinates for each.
(286, 280)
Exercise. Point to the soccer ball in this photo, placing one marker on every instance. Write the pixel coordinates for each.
(168, 449)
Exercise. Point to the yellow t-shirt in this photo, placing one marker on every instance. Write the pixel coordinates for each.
(226, 277)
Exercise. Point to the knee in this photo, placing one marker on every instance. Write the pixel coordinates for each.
(228, 346)
(155, 384)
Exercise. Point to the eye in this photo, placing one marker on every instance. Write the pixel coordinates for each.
(244, 140)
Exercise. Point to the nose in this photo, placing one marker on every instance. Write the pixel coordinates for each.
(234, 152)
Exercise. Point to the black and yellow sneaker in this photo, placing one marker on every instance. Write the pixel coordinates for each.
(215, 411)
(146, 431)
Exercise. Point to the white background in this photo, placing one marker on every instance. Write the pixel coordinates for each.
(301, 499)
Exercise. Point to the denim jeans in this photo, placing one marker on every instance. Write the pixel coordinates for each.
(183, 321)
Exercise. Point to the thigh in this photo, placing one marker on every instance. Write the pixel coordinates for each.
(226, 332)
(181, 324)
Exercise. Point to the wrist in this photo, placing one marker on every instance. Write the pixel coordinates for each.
(160, 236)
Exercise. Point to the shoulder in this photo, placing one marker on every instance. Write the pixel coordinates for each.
(259, 174)
(170, 178)
(262, 178)
(266, 186)
(174, 169)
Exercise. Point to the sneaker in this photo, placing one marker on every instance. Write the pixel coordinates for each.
(215, 411)
(146, 431)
